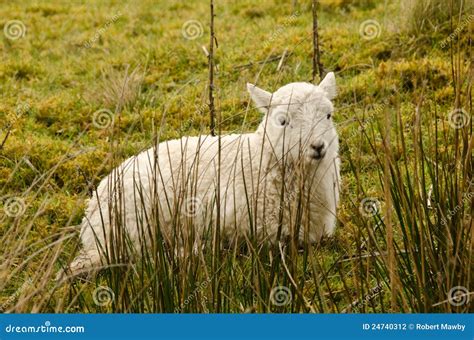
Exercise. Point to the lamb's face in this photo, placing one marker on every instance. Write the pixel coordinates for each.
(298, 119)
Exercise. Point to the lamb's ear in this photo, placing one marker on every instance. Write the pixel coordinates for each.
(328, 84)
(260, 97)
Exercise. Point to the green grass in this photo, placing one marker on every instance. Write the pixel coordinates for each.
(400, 84)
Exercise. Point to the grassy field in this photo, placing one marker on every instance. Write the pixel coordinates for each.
(84, 86)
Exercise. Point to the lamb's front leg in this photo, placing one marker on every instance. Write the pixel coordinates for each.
(83, 265)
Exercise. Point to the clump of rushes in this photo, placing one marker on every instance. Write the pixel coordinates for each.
(433, 15)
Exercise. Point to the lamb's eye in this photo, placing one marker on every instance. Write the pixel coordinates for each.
(328, 116)
(283, 120)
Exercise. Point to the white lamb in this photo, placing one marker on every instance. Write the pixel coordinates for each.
(294, 153)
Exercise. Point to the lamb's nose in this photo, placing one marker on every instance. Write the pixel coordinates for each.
(319, 150)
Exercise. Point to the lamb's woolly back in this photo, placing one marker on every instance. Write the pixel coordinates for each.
(158, 185)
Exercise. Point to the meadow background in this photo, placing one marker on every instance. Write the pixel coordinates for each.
(85, 85)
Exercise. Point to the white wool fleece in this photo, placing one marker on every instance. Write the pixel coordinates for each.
(294, 147)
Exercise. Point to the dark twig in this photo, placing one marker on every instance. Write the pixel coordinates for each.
(277, 57)
(317, 65)
(6, 137)
(210, 58)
